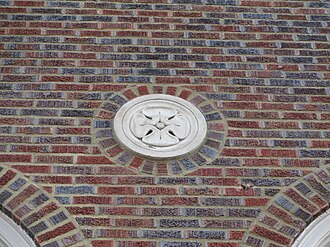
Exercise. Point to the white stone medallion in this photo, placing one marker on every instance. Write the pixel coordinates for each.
(160, 126)
(159, 130)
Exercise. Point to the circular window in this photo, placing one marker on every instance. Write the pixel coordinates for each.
(160, 126)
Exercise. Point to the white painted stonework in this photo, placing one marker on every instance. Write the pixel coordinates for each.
(11, 235)
(160, 126)
(317, 234)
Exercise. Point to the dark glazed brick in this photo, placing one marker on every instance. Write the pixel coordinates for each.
(204, 212)
(302, 188)
(302, 214)
(75, 190)
(283, 202)
(208, 152)
(222, 202)
(213, 116)
(39, 227)
(38, 112)
(39, 200)
(58, 218)
(52, 244)
(119, 100)
(136, 6)
(161, 234)
(76, 113)
(178, 223)
(188, 164)
(17, 184)
(180, 244)
(255, 242)
(4, 196)
(207, 234)
(315, 153)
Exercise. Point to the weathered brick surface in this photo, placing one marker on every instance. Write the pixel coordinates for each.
(264, 65)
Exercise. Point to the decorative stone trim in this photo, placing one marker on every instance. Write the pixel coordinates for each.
(291, 211)
(196, 139)
(37, 213)
(12, 235)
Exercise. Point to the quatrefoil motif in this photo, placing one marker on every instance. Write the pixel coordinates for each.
(160, 126)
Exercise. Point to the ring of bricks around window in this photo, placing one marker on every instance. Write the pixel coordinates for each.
(210, 148)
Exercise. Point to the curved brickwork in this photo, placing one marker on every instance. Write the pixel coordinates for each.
(265, 64)
(206, 153)
(292, 210)
(37, 212)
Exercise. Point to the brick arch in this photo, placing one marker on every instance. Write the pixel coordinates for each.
(37, 212)
(291, 211)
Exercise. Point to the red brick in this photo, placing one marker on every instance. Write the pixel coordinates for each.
(159, 191)
(22, 196)
(282, 125)
(256, 3)
(103, 243)
(211, 172)
(272, 235)
(137, 243)
(295, 196)
(95, 200)
(52, 179)
(81, 210)
(239, 152)
(252, 202)
(32, 168)
(58, 231)
(13, 10)
(15, 158)
(93, 160)
(243, 124)
(45, 210)
(239, 192)
(179, 201)
(120, 190)
(114, 151)
(131, 34)
(236, 235)
(286, 217)
(262, 162)
(24, 31)
(53, 159)
(28, 3)
(70, 149)
(235, 133)
(136, 223)
(229, 73)
(172, 80)
(240, 105)
(278, 153)
(9, 175)
(118, 210)
(223, 244)
(319, 201)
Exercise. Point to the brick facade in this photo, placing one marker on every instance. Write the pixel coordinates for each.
(264, 65)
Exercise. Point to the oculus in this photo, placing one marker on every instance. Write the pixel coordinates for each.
(160, 126)
(159, 130)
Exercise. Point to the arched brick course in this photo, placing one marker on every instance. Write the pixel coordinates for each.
(291, 211)
(37, 212)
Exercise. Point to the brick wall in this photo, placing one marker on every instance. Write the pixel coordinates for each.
(263, 64)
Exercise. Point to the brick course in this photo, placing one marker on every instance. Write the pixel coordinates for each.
(261, 65)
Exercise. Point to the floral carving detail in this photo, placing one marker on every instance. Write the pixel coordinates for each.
(160, 126)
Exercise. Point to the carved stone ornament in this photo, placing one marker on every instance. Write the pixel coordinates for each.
(159, 130)
(160, 126)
